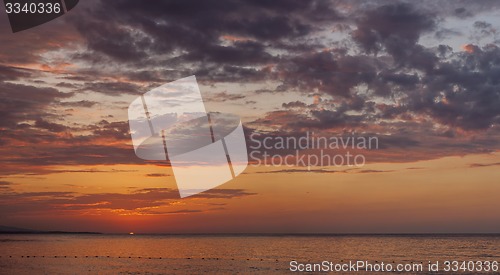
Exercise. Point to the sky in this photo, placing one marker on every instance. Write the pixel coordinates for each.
(423, 77)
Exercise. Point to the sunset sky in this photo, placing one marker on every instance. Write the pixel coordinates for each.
(421, 76)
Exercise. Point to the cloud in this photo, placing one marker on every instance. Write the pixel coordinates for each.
(52, 127)
(6, 186)
(157, 175)
(23, 102)
(331, 119)
(13, 73)
(80, 104)
(158, 201)
(294, 104)
(112, 88)
(464, 92)
(288, 171)
(372, 64)
(182, 211)
(85, 154)
(198, 26)
(116, 130)
(328, 72)
(394, 28)
(373, 171)
(28, 47)
(225, 96)
(53, 171)
(475, 165)
(208, 38)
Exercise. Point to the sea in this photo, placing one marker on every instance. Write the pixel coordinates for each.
(248, 254)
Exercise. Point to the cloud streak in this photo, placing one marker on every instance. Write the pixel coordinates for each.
(149, 201)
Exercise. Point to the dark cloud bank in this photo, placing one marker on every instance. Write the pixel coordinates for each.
(379, 79)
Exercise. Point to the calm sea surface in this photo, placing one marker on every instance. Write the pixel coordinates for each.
(162, 254)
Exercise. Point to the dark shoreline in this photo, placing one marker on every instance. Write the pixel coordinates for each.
(49, 233)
